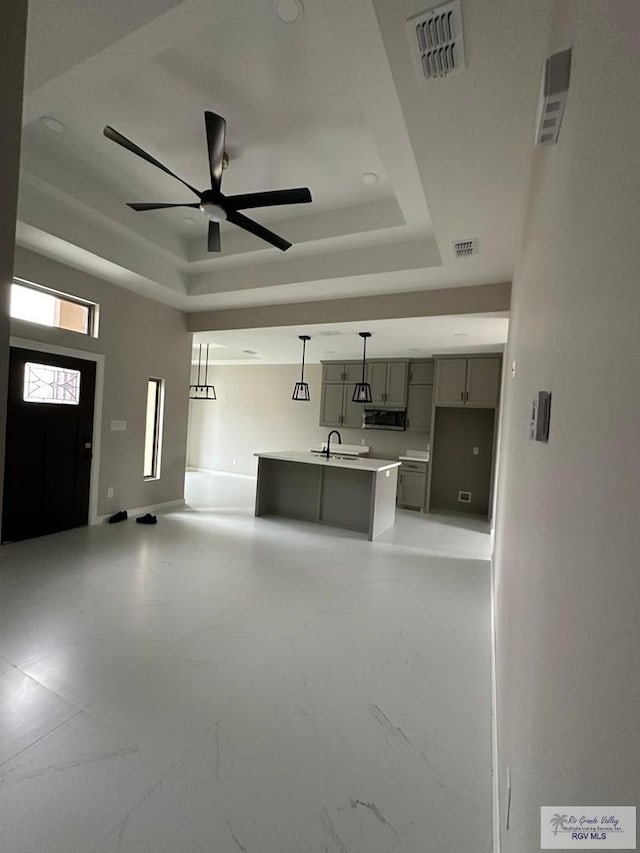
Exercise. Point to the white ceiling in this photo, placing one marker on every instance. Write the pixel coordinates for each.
(315, 103)
(413, 337)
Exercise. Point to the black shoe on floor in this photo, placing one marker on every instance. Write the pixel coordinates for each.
(147, 519)
(118, 516)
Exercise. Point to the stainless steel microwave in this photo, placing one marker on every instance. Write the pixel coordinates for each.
(384, 419)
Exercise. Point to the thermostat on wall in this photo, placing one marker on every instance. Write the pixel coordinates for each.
(540, 416)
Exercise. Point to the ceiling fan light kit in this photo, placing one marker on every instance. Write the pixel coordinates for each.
(212, 203)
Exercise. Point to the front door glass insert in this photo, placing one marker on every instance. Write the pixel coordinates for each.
(46, 383)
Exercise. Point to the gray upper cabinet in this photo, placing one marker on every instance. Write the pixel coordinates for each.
(337, 372)
(451, 377)
(333, 373)
(419, 408)
(337, 408)
(421, 373)
(331, 405)
(388, 380)
(483, 382)
(468, 381)
(377, 379)
(396, 393)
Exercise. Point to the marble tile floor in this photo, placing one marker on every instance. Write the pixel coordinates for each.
(225, 683)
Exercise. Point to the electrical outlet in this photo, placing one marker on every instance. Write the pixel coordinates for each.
(476, 451)
(234, 461)
(363, 441)
(110, 492)
(464, 497)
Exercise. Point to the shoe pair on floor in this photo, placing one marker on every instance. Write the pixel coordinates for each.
(141, 519)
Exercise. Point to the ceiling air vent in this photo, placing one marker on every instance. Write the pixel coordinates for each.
(436, 39)
(465, 247)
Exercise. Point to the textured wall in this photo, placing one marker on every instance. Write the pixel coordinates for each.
(568, 531)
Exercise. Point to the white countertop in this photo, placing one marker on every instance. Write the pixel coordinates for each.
(366, 464)
(424, 458)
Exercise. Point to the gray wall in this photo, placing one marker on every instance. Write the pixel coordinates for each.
(255, 412)
(140, 339)
(12, 43)
(568, 531)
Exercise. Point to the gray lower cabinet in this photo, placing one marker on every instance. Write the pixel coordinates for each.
(419, 408)
(337, 408)
(412, 485)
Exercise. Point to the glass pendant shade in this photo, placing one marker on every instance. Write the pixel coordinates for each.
(301, 389)
(362, 390)
(202, 390)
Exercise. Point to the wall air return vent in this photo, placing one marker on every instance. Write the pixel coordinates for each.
(553, 97)
(436, 40)
(463, 248)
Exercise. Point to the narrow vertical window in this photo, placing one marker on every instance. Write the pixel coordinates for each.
(153, 429)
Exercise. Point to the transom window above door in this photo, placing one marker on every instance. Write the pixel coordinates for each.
(49, 308)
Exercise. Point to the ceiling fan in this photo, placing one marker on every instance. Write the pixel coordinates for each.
(216, 206)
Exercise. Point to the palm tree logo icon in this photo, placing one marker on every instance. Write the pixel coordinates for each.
(557, 821)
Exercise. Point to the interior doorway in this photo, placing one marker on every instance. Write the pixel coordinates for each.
(49, 443)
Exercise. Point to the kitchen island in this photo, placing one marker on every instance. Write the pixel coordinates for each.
(358, 494)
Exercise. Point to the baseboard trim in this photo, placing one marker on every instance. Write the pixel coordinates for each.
(141, 510)
(495, 776)
(198, 470)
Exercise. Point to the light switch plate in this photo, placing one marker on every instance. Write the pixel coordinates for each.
(118, 426)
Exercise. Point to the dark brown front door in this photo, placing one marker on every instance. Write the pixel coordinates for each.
(48, 444)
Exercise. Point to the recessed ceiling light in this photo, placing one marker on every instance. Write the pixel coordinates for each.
(52, 124)
(369, 178)
(415, 349)
(289, 11)
(461, 335)
(329, 352)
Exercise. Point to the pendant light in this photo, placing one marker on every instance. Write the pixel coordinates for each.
(362, 391)
(301, 390)
(202, 391)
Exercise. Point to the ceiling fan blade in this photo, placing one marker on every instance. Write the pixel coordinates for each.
(299, 195)
(213, 240)
(216, 129)
(117, 137)
(151, 206)
(257, 229)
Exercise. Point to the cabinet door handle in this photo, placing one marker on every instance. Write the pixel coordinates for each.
(467, 397)
(462, 396)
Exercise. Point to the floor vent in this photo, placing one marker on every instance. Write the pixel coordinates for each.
(463, 248)
(436, 40)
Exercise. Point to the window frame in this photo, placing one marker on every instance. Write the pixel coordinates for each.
(93, 309)
(158, 423)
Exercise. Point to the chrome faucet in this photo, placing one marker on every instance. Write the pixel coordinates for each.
(327, 452)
